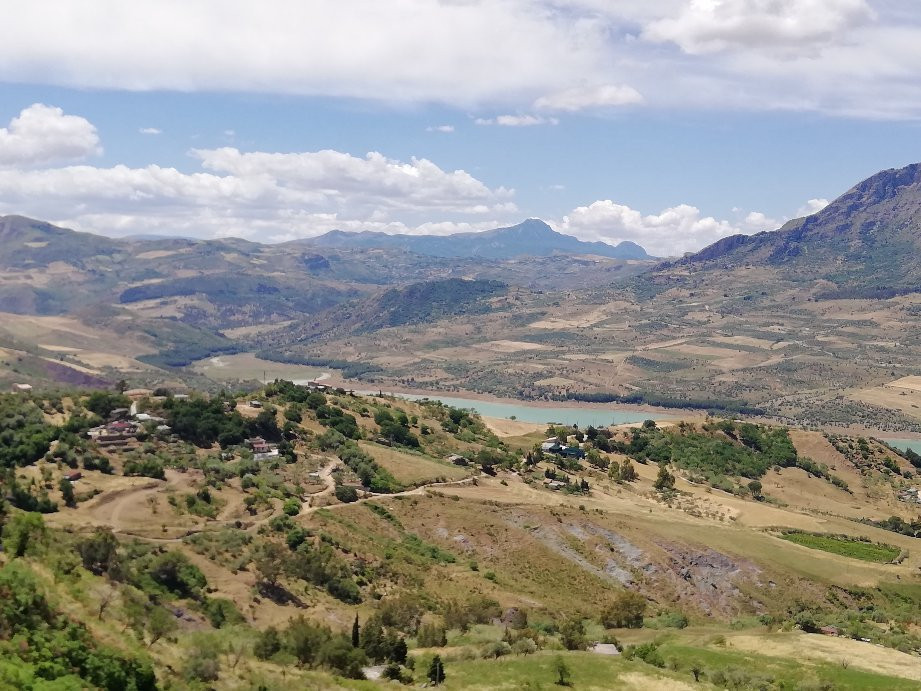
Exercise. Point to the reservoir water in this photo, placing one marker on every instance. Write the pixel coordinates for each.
(564, 415)
(904, 444)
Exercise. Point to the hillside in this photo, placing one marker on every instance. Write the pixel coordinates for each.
(813, 324)
(706, 550)
(532, 237)
(144, 305)
(866, 241)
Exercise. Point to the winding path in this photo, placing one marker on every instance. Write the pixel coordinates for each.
(129, 497)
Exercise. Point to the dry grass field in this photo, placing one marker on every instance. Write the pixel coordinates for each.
(413, 468)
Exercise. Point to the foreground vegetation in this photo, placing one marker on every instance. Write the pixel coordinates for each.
(179, 559)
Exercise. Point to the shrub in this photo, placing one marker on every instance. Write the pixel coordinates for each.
(345, 494)
(624, 611)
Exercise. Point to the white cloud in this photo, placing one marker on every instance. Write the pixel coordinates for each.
(813, 206)
(400, 50)
(259, 195)
(705, 26)
(671, 232)
(150, 130)
(445, 129)
(582, 98)
(845, 57)
(517, 121)
(43, 134)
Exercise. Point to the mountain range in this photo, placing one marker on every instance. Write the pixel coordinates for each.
(865, 242)
(532, 237)
(749, 323)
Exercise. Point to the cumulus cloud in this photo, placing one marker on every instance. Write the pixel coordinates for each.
(705, 26)
(672, 232)
(583, 97)
(444, 129)
(44, 134)
(150, 130)
(260, 195)
(517, 121)
(813, 206)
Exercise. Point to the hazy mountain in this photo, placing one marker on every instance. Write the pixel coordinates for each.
(532, 237)
(868, 239)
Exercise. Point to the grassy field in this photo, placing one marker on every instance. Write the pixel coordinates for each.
(847, 547)
(717, 668)
(732, 668)
(413, 469)
(587, 670)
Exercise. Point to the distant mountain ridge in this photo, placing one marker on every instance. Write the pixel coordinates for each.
(532, 237)
(868, 238)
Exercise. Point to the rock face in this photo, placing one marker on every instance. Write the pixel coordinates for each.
(867, 241)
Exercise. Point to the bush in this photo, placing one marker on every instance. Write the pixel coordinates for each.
(292, 507)
(432, 636)
(347, 495)
(495, 650)
(624, 611)
(222, 612)
(572, 635)
(647, 652)
(176, 573)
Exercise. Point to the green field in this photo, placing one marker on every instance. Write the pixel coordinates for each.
(717, 668)
(846, 547)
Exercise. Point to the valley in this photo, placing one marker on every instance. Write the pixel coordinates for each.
(222, 458)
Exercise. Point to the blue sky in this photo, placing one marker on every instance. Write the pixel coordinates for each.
(669, 123)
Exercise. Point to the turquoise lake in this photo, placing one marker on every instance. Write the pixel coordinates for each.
(564, 415)
(913, 444)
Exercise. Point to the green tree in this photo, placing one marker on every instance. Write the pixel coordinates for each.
(399, 651)
(624, 611)
(627, 471)
(372, 639)
(432, 636)
(696, 670)
(436, 673)
(755, 488)
(356, 633)
(203, 661)
(346, 494)
(67, 492)
(24, 533)
(267, 643)
(135, 605)
(160, 623)
(270, 559)
(524, 646)
(176, 573)
(665, 481)
(572, 634)
(99, 552)
(561, 669)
